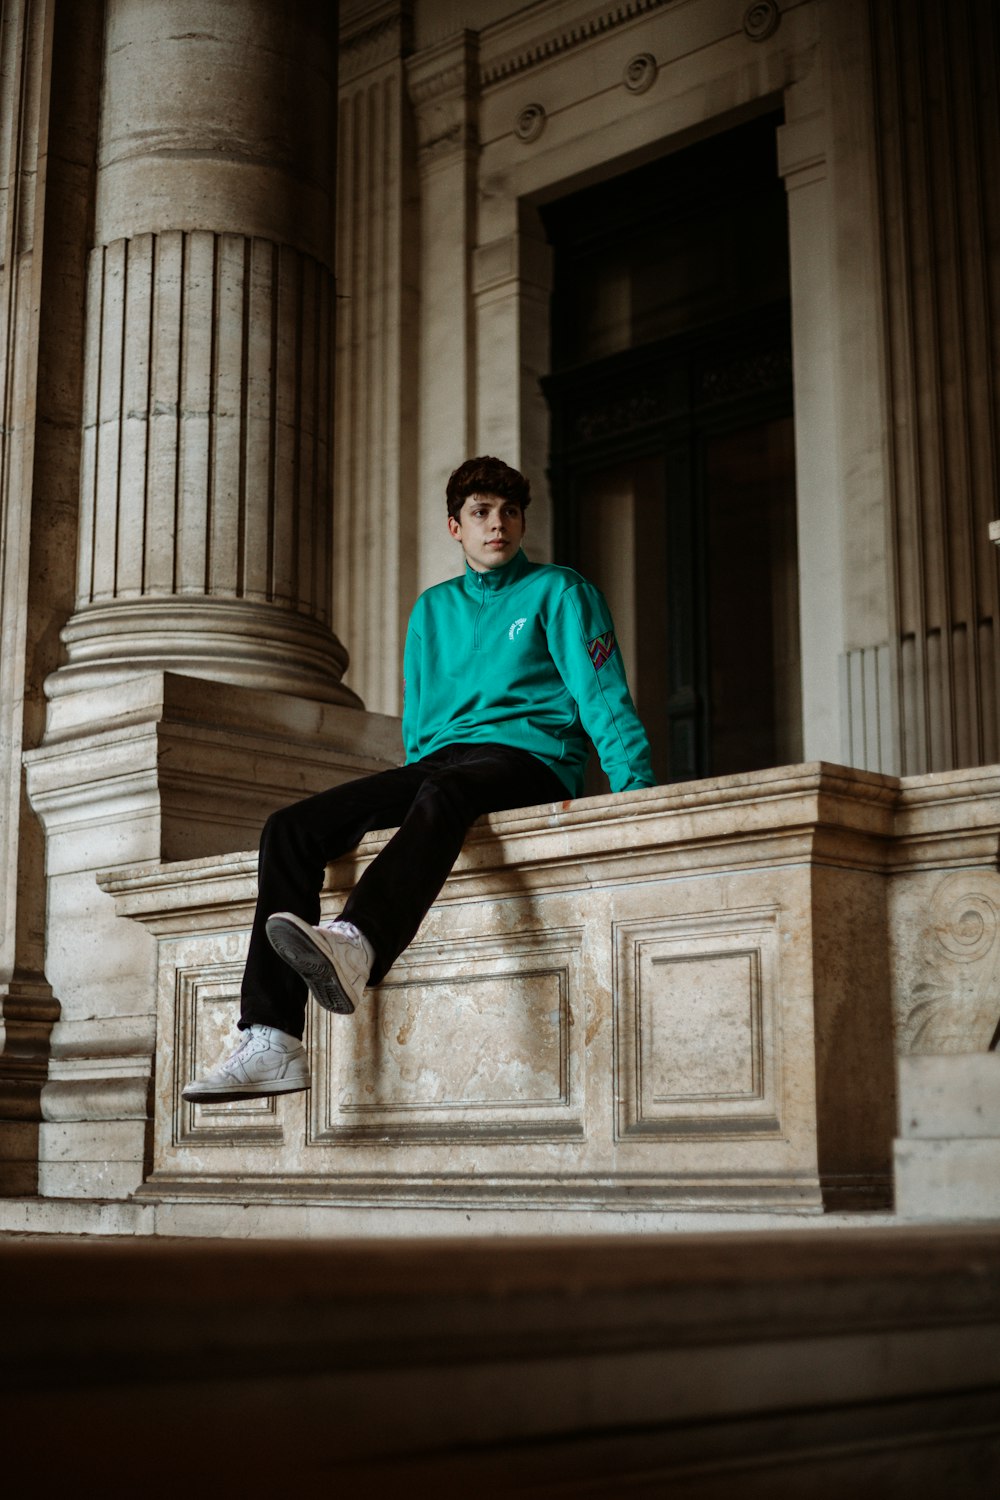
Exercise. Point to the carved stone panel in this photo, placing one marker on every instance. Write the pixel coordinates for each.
(207, 1007)
(476, 1043)
(947, 940)
(695, 1021)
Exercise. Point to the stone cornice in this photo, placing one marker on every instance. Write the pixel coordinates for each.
(830, 815)
(372, 38)
(444, 89)
(444, 71)
(517, 45)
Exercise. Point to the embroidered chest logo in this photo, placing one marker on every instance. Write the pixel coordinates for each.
(601, 648)
(517, 627)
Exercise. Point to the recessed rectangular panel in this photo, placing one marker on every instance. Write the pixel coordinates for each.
(207, 1010)
(701, 1015)
(483, 1045)
(492, 1043)
(695, 1006)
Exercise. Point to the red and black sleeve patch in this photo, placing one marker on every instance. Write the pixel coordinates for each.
(601, 648)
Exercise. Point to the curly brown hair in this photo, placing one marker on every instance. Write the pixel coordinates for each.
(486, 476)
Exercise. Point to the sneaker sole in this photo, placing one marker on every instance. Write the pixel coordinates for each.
(259, 1091)
(296, 946)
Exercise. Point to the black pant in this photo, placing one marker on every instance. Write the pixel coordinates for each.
(433, 802)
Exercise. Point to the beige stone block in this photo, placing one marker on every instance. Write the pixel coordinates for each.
(85, 1179)
(948, 1179)
(75, 1216)
(83, 1160)
(949, 1097)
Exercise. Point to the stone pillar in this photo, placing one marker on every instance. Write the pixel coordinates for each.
(205, 497)
(937, 133)
(444, 87)
(377, 338)
(512, 283)
(26, 1006)
(802, 162)
(202, 686)
(47, 52)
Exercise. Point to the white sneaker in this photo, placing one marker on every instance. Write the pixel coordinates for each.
(267, 1061)
(335, 960)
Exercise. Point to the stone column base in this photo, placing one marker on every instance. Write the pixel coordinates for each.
(157, 767)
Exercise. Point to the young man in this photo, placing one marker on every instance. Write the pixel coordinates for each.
(507, 670)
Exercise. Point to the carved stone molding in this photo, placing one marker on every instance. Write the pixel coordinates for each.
(530, 123)
(745, 375)
(681, 982)
(610, 417)
(226, 640)
(28, 1011)
(513, 1068)
(761, 20)
(954, 1003)
(372, 38)
(640, 74)
(553, 43)
(673, 997)
(207, 1009)
(444, 90)
(443, 70)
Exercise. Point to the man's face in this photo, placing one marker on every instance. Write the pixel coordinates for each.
(490, 530)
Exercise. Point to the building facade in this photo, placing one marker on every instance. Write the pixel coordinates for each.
(722, 278)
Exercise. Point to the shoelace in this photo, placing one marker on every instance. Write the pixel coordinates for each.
(235, 1057)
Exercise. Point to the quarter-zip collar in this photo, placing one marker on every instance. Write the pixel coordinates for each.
(479, 585)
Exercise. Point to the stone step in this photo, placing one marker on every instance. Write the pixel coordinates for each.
(216, 1218)
(696, 1366)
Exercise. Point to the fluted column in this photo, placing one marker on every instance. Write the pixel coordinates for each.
(937, 114)
(206, 484)
(377, 341)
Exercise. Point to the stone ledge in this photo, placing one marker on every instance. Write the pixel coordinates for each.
(209, 1218)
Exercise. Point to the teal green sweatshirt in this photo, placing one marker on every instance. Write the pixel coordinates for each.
(522, 655)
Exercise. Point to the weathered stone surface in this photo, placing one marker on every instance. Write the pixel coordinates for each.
(942, 1098)
(947, 1156)
(948, 1179)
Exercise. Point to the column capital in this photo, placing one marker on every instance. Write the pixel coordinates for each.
(373, 37)
(444, 89)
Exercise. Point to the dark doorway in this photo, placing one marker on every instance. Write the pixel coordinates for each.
(672, 455)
